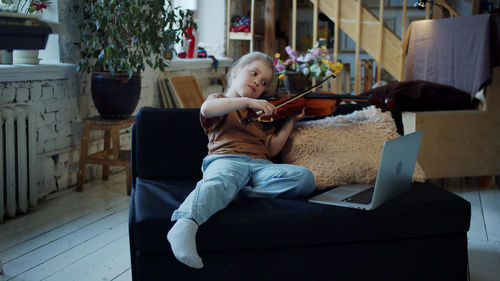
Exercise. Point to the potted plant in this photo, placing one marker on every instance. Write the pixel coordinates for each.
(118, 39)
(297, 69)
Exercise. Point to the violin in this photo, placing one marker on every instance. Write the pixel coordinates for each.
(316, 104)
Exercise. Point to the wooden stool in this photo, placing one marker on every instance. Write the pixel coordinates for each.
(109, 156)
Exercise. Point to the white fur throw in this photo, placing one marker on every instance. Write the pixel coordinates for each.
(343, 149)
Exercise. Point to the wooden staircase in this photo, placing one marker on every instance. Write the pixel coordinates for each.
(369, 33)
(392, 54)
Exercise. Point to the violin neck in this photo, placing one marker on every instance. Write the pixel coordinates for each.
(323, 95)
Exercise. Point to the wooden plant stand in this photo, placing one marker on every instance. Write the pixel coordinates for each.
(110, 156)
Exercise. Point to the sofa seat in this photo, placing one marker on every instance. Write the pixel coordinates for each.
(424, 211)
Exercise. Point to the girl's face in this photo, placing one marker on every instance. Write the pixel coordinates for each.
(251, 80)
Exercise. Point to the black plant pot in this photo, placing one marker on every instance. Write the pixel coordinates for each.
(115, 97)
(296, 82)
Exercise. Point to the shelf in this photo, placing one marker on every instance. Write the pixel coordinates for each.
(249, 8)
(240, 35)
(243, 36)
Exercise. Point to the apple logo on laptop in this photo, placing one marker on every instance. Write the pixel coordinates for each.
(399, 167)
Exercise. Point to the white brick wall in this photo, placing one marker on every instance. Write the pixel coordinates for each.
(60, 106)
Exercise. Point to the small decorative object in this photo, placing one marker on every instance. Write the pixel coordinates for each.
(120, 38)
(24, 6)
(182, 54)
(240, 24)
(28, 7)
(298, 68)
(202, 53)
(6, 6)
(189, 37)
(192, 41)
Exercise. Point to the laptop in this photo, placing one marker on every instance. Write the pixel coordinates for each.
(394, 177)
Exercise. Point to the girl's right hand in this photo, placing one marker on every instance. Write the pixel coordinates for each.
(266, 107)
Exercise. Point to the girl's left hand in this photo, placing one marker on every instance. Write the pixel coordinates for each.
(298, 117)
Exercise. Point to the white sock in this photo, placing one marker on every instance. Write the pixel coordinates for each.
(182, 238)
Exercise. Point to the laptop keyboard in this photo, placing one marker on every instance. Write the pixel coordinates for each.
(364, 197)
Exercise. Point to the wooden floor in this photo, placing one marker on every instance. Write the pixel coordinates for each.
(72, 236)
(84, 236)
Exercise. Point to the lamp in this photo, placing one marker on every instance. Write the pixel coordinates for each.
(421, 5)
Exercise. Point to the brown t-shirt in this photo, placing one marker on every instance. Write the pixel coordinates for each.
(226, 135)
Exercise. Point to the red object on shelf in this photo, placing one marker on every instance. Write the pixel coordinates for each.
(243, 28)
(190, 36)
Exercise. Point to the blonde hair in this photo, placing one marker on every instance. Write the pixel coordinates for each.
(249, 58)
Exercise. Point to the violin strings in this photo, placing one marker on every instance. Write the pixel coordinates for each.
(305, 92)
(260, 112)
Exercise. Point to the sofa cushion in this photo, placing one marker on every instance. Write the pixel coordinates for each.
(343, 149)
(161, 153)
(425, 210)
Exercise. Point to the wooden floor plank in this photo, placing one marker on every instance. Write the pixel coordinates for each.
(67, 209)
(490, 200)
(81, 236)
(484, 261)
(55, 265)
(124, 276)
(103, 264)
(24, 247)
(477, 230)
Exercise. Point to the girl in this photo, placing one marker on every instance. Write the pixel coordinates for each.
(239, 155)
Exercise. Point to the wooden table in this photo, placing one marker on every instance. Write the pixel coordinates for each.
(111, 155)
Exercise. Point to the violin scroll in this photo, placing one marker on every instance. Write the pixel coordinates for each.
(386, 104)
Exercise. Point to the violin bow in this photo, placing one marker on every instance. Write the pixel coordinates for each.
(254, 116)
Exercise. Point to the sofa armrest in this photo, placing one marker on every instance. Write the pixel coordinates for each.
(133, 168)
(168, 143)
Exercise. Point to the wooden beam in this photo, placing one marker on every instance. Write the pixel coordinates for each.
(269, 28)
(315, 33)
(315, 22)
(453, 12)
(252, 24)
(476, 7)
(228, 28)
(336, 83)
(294, 24)
(380, 41)
(284, 20)
(403, 32)
(357, 66)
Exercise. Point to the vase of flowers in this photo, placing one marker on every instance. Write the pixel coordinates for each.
(297, 69)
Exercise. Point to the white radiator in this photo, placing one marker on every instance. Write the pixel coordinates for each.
(18, 190)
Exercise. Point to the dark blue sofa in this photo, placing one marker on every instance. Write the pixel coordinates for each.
(420, 236)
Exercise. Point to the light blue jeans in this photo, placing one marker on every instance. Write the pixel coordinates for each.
(228, 176)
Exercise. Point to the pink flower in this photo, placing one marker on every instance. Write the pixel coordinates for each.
(315, 53)
(279, 67)
(288, 62)
(291, 52)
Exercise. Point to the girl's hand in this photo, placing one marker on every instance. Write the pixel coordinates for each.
(267, 108)
(298, 117)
